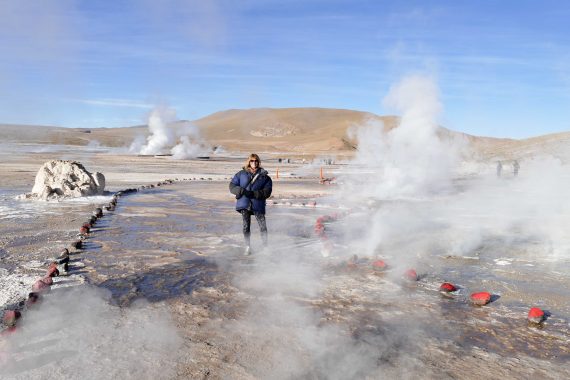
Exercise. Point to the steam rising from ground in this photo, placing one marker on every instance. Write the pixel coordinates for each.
(407, 203)
(190, 144)
(285, 336)
(77, 333)
(444, 213)
(182, 141)
(161, 136)
(410, 160)
(403, 163)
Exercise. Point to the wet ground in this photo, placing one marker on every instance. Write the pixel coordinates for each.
(289, 312)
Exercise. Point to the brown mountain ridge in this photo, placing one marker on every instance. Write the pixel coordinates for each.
(310, 131)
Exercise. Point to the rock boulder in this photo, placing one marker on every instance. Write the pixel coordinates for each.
(58, 179)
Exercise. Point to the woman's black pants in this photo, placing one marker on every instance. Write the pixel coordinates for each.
(246, 216)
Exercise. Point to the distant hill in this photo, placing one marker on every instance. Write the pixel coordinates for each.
(33, 134)
(299, 130)
(310, 131)
(324, 131)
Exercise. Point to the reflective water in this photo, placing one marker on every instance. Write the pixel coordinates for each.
(165, 243)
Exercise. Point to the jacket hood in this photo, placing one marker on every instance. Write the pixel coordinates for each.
(261, 171)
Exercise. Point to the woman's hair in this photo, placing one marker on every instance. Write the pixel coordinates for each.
(252, 156)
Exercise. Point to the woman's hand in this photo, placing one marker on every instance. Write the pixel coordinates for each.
(240, 191)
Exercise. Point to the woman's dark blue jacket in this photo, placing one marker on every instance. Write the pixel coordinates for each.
(251, 196)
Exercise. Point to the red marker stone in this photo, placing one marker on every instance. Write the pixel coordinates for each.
(319, 229)
(447, 287)
(411, 275)
(33, 298)
(52, 270)
(10, 317)
(536, 315)
(379, 265)
(40, 286)
(8, 331)
(481, 298)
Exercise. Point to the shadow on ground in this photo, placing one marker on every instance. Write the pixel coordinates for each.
(164, 282)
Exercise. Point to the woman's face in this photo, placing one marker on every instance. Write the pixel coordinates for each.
(253, 163)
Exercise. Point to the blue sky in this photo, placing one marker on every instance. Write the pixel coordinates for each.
(502, 67)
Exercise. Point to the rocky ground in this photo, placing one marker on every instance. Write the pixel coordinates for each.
(181, 301)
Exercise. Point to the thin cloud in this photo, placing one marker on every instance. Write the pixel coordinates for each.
(108, 102)
(202, 22)
(39, 31)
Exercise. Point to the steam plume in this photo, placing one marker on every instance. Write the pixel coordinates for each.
(410, 160)
(182, 142)
(161, 135)
(77, 333)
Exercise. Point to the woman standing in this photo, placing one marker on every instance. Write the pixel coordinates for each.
(252, 186)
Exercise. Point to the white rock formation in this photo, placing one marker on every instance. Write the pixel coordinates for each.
(58, 179)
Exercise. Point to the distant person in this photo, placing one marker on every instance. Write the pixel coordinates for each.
(516, 168)
(499, 168)
(252, 186)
